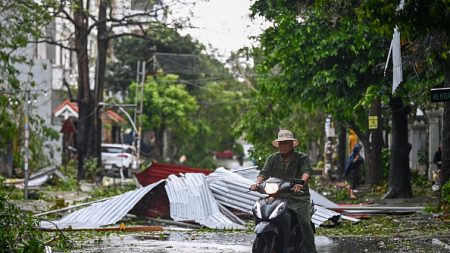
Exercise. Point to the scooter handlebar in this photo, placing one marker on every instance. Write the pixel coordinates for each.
(297, 181)
(284, 186)
(257, 188)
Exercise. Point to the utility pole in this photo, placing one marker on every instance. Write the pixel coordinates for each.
(137, 90)
(138, 155)
(27, 138)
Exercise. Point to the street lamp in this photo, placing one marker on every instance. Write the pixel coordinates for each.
(120, 106)
(137, 133)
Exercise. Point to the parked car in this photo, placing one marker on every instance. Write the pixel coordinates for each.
(119, 158)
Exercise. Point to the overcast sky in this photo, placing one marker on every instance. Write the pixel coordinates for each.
(225, 24)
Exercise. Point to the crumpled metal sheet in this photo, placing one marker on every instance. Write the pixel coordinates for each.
(232, 190)
(247, 172)
(103, 213)
(191, 200)
(322, 214)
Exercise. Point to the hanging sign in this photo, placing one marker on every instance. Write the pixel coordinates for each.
(440, 95)
(373, 122)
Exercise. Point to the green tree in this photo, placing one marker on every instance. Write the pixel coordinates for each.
(220, 97)
(320, 57)
(265, 114)
(21, 23)
(110, 22)
(129, 50)
(167, 109)
(424, 26)
(221, 104)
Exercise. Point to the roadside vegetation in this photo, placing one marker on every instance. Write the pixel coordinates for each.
(20, 230)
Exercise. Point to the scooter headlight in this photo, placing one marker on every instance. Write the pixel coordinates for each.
(271, 188)
(257, 210)
(279, 209)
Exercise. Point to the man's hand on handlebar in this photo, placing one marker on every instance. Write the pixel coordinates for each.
(254, 186)
(297, 187)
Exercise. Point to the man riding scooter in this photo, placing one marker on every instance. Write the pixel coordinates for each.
(287, 164)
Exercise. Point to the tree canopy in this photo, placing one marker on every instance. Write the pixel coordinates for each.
(315, 58)
(425, 28)
(21, 24)
(218, 96)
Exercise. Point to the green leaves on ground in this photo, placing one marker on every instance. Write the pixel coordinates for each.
(20, 230)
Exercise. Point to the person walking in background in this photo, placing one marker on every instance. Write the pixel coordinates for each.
(353, 169)
(437, 159)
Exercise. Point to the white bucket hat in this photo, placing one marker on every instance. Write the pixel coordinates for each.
(285, 135)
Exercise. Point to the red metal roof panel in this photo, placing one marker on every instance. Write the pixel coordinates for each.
(158, 171)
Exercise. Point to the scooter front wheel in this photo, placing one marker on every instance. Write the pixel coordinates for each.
(264, 243)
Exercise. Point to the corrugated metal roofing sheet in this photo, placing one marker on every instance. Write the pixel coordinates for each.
(102, 213)
(247, 172)
(154, 205)
(321, 200)
(158, 171)
(231, 190)
(322, 214)
(191, 200)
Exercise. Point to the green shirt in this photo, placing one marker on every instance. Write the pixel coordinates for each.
(297, 165)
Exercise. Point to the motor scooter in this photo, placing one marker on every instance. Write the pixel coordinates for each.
(276, 226)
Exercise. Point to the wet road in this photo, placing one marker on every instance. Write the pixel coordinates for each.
(241, 242)
(184, 242)
(192, 241)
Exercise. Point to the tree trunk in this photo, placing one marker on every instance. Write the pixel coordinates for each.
(374, 168)
(342, 155)
(446, 131)
(399, 174)
(102, 47)
(6, 159)
(159, 143)
(85, 103)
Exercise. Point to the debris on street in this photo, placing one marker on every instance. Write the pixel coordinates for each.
(232, 190)
(36, 179)
(157, 171)
(195, 198)
(191, 199)
(102, 213)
